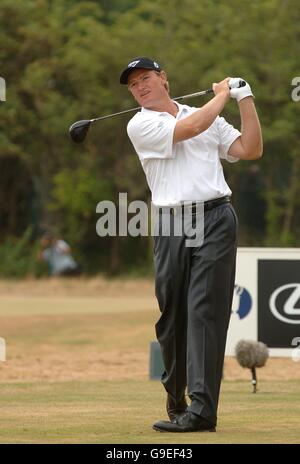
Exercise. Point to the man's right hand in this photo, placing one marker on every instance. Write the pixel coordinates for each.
(222, 87)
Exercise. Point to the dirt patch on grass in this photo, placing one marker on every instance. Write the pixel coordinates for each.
(51, 364)
(85, 346)
(99, 347)
(275, 369)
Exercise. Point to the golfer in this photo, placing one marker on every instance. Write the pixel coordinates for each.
(180, 148)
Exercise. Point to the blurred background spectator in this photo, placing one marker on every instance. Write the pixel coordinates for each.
(57, 253)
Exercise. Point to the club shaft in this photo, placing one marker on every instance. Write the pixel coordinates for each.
(183, 97)
(192, 95)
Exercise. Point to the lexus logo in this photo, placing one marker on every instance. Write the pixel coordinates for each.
(283, 308)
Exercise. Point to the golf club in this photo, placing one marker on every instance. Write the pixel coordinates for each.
(79, 129)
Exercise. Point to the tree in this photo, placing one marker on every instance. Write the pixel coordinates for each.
(61, 60)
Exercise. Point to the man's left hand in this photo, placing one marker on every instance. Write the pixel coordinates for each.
(240, 92)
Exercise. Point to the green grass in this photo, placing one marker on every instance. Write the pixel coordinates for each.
(121, 412)
(77, 368)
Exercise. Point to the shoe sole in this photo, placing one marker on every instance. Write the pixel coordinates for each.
(157, 429)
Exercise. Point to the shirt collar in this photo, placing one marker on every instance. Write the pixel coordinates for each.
(181, 109)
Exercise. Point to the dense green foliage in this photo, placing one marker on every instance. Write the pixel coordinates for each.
(61, 60)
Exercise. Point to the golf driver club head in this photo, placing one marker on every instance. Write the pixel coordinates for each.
(79, 129)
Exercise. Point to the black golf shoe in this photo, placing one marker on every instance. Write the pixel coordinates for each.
(188, 422)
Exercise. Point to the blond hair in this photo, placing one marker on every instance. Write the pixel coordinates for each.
(166, 85)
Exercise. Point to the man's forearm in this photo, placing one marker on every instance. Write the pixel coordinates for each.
(200, 120)
(251, 137)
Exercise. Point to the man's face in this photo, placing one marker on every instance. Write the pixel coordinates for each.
(45, 242)
(147, 86)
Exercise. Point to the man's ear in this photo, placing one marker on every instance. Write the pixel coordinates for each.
(164, 76)
(165, 80)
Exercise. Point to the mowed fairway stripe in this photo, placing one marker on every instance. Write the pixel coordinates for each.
(17, 305)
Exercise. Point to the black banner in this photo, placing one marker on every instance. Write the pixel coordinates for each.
(278, 302)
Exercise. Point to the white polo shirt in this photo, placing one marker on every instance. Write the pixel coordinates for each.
(185, 171)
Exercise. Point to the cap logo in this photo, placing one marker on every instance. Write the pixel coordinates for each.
(155, 64)
(133, 64)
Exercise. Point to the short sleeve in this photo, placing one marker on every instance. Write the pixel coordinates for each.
(227, 135)
(152, 137)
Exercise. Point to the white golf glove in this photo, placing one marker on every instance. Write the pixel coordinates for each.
(239, 92)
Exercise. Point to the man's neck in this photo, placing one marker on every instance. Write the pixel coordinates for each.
(167, 106)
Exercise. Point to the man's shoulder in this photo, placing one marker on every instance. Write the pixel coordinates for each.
(144, 115)
(134, 119)
(61, 245)
(60, 241)
(140, 119)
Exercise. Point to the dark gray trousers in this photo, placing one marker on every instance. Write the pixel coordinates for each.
(194, 288)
